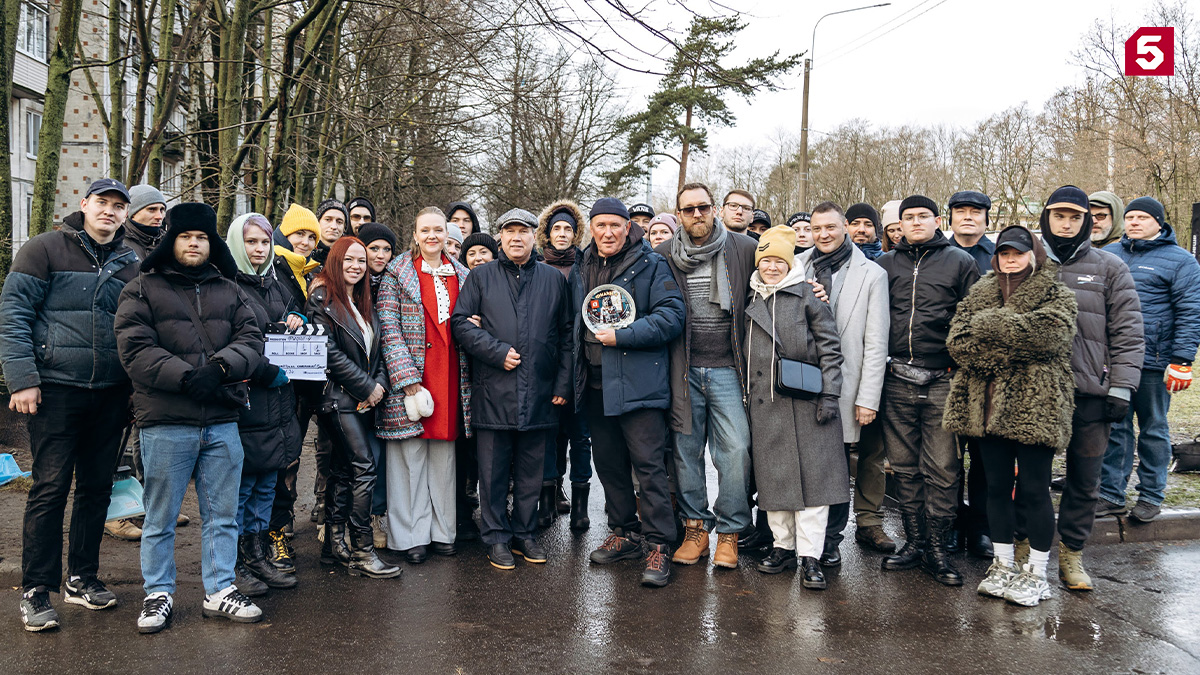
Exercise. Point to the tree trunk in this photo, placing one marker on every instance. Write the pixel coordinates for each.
(53, 111)
(683, 156)
(116, 92)
(230, 92)
(10, 19)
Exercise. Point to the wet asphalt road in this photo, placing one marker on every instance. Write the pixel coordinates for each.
(459, 615)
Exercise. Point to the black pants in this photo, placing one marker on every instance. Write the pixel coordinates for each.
(1032, 479)
(972, 511)
(351, 485)
(466, 472)
(839, 517)
(520, 454)
(923, 455)
(76, 432)
(635, 442)
(286, 490)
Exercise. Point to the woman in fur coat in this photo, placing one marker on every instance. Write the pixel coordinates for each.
(1014, 390)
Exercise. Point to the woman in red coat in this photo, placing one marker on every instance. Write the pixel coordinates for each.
(430, 391)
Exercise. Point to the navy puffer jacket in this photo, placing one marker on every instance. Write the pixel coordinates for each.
(1168, 283)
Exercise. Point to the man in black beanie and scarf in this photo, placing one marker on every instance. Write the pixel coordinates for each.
(865, 230)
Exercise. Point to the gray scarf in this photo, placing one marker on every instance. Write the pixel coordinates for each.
(688, 256)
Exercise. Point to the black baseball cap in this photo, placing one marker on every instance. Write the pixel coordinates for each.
(761, 216)
(103, 185)
(1015, 237)
(1069, 197)
(641, 210)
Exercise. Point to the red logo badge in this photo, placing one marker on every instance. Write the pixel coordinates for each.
(1150, 51)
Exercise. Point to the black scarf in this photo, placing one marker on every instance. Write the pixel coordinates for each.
(824, 264)
(559, 258)
(1065, 249)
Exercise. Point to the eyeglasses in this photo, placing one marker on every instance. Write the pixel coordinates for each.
(693, 211)
(1100, 216)
(912, 217)
(736, 207)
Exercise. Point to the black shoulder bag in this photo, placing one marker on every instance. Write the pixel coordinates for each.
(236, 394)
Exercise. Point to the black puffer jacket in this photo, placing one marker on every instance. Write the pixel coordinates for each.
(352, 372)
(925, 284)
(525, 308)
(269, 429)
(159, 345)
(142, 239)
(1109, 345)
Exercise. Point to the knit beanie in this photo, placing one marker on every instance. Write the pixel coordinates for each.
(609, 206)
(330, 205)
(863, 210)
(664, 218)
(801, 216)
(918, 202)
(478, 239)
(563, 215)
(363, 202)
(370, 232)
(299, 218)
(1151, 206)
(454, 232)
(141, 196)
(891, 213)
(779, 241)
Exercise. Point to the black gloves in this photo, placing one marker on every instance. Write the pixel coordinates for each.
(827, 409)
(1115, 409)
(204, 383)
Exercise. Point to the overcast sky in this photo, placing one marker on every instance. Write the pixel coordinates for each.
(956, 63)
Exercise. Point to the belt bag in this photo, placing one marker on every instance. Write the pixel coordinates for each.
(797, 379)
(235, 394)
(915, 374)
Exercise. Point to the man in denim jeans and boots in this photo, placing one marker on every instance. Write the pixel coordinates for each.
(927, 277)
(188, 339)
(58, 351)
(712, 266)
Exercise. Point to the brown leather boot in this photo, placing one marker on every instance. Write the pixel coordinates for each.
(726, 555)
(695, 544)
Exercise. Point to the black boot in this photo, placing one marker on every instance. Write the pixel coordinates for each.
(364, 563)
(936, 560)
(334, 550)
(909, 556)
(243, 578)
(260, 567)
(547, 509)
(579, 506)
(560, 497)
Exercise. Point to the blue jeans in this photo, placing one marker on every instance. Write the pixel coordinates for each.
(172, 455)
(572, 430)
(1150, 403)
(718, 419)
(255, 499)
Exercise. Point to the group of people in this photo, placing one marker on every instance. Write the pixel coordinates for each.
(465, 370)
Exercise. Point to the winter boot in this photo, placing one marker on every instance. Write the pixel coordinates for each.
(579, 506)
(1070, 569)
(250, 585)
(256, 562)
(334, 550)
(365, 563)
(909, 555)
(937, 556)
(547, 508)
(560, 497)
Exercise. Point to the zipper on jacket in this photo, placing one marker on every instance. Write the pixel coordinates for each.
(912, 314)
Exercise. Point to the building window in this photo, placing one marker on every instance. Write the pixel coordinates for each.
(32, 31)
(33, 127)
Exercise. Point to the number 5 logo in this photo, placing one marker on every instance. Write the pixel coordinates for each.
(1150, 52)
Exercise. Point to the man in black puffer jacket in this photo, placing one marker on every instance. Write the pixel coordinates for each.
(520, 375)
(927, 277)
(187, 337)
(58, 351)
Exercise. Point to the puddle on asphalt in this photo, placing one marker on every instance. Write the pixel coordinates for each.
(1058, 629)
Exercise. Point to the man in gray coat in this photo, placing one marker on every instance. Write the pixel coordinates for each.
(858, 292)
(712, 266)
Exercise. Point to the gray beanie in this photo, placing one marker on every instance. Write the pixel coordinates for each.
(141, 196)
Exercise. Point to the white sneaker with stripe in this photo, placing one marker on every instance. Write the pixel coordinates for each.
(229, 603)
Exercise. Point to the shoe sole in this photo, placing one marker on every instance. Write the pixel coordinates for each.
(77, 600)
(528, 559)
(499, 566)
(873, 547)
(1143, 520)
(214, 614)
(724, 564)
(944, 582)
(291, 569)
(776, 570)
(989, 594)
(636, 555)
(816, 585)
(1076, 587)
(354, 572)
(691, 561)
(655, 584)
(830, 565)
(122, 537)
(49, 625)
(151, 630)
(891, 567)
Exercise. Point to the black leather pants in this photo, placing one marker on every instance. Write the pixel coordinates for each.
(351, 483)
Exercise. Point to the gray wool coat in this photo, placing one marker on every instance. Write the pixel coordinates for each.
(861, 308)
(797, 462)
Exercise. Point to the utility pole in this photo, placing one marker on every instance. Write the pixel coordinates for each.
(808, 65)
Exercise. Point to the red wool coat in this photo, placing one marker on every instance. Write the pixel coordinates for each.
(441, 362)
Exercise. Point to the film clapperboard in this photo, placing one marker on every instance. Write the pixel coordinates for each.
(300, 353)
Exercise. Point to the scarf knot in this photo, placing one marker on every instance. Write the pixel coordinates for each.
(688, 256)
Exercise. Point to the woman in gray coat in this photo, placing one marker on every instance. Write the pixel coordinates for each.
(799, 462)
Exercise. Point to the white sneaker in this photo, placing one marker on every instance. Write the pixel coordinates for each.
(156, 612)
(1028, 588)
(231, 604)
(999, 576)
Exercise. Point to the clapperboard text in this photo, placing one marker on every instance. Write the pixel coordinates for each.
(300, 353)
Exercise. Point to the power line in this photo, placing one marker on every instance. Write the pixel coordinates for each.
(889, 31)
(848, 45)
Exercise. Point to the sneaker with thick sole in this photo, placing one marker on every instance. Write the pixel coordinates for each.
(230, 603)
(617, 547)
(695, 544)
(124, 529)
(1144, 511)
(1070, 569)
(1107, 508)
(999, 576)
(156, 613)
(36, 611)
(280, 554)
(89, 593)
(529, 549)
(1027, 589)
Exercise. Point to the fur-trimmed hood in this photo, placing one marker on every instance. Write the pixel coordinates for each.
(543, 230)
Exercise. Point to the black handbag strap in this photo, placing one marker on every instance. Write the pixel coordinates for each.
(205, 341)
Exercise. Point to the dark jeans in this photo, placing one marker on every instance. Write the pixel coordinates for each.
(76, 432)
(286, 490)
(635, 442)
(1032, 478)
(1150, 403)
(972, 512)
(923, 455)
(519, 454)
(572, 431)
(351, 487)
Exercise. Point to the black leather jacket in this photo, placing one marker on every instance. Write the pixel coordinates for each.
(352, 373)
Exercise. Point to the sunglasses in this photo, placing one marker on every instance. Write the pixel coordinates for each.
(693, 211)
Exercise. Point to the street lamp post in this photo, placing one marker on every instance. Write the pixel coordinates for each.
(804, 115)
